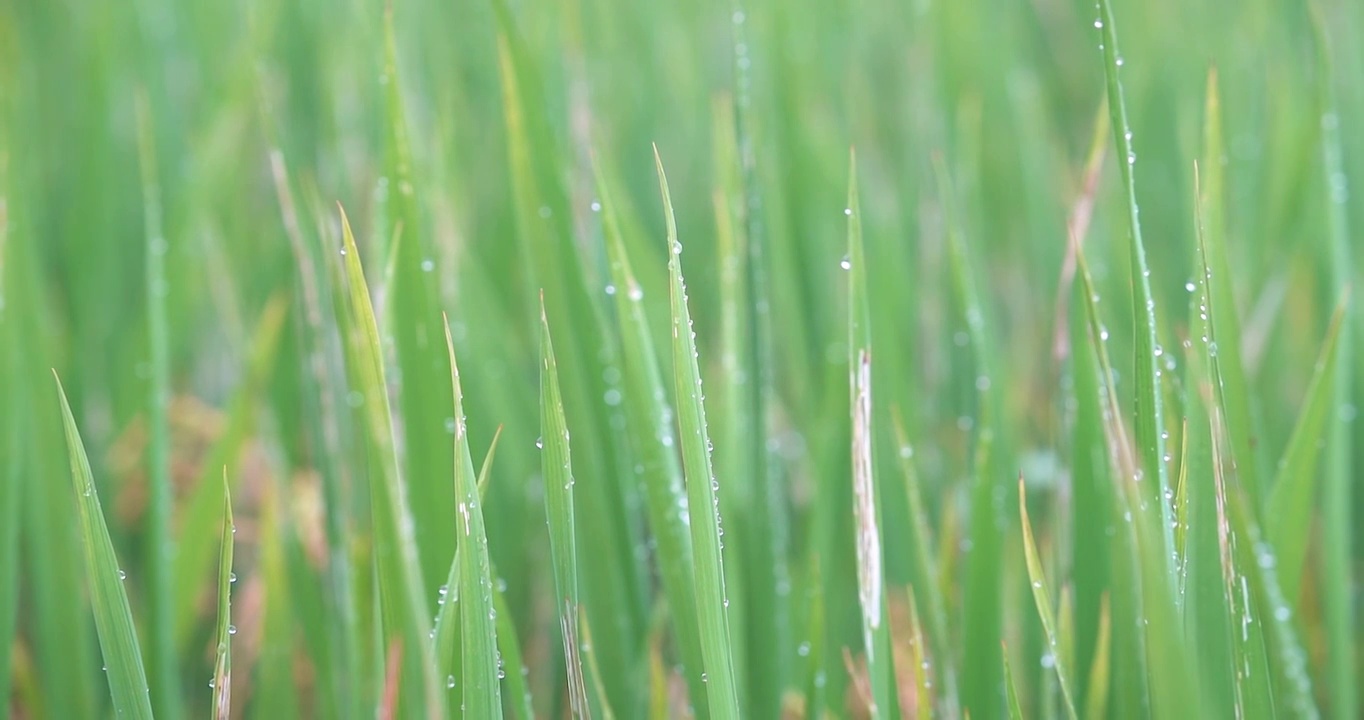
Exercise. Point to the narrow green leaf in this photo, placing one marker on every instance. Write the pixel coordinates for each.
(404, 620)
(709, 578)
(108, 599)
(1010, 690)
(866, 511)
(1043, 601)
(1147, 398)
(1289, 508)
(513, 666)
(222, 666)
(557, 468)
(480, 661)
(1096, 704)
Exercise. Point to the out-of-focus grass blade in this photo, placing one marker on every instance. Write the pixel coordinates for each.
(866, 512)
(113, 616)
(1096, 704)
(557, 468)
(480, 663)
(404, 620)
(11, 474)
(919, 655)
(1043, 601)
(1010, 691)
(222, 666)
(649, 418)
(709, 578)
(1235, 392)
(1289, 510)
(1149, 421)
(512, 665)
(1340, 484)
(160, 625)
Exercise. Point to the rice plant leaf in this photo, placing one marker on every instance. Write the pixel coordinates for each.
(480, 661)
(222, 666)
(649, 420)
(1149, 416)
(709, 578)
(1289, 508)
(108, 599)
(866, 512)
(1010, 689)
(1043, 601)
(557, 468)
(404, 622)
(513, 666)
(1096, 703)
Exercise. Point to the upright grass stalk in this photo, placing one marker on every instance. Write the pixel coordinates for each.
(702, 502)
(222, 666)
(160, 558)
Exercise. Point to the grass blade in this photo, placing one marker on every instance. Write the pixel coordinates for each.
(222, 666)
(480, 660)
(113, 616)
(1096, 703)
(1010, 690)
(558, 471)
(702, 502)
(866, 512)
(1149, 420)
(404, 621)
(1043, 601)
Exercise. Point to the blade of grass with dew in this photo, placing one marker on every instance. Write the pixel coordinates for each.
(649, 419)
(1288, 510)
(925, 578)
(1043, 602)
(983, 629)
(222, 666)
(866, 510)
(108, 599)
(1147, 397)
(1167, 683)
(194, 551)
(1096, 703)
(613, 588)
(447, 630)
(1235, 391)
(700, 480)
(413, 318)
(404, 619)
(513, 666)
(1010, 691)
(1338, 578)
(480, 662)
(556, 464)
(919, 663)
(162, 662)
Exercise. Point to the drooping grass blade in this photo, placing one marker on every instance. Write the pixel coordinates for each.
(701, 483)
(1043, 602)
(108, 599)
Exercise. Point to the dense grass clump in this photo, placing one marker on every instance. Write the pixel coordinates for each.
(786, 359)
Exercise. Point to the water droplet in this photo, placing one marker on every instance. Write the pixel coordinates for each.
(540, 443)
(906, 452)
(803, 649)
(1282, 613)
(122, 575)
(610, 289)
(232, 577)
(449, 681)
(1189, 286)
(612, 397)
(847, 211)
(1037, 584)
(1119, 61)
(677, 248)
(231, 629)
(428, 265)
(982, 383)
(845, 263)
(596, 206)
(1098, 23)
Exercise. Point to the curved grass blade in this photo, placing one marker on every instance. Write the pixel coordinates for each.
(702, 502)
(649, 420)
(161, 581)
(1288, 510)
(108, 600)
(557, 468)
(1043, 601)
(480, 663)
(222, 666)
(404, 622)
(1149, 421)
(866, 512)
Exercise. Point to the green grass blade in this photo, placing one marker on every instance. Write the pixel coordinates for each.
(1289, 509)
(404, 620)
(1010, 690)
(513, 666)
(11, 476)
(702, 502)
(1096, 703)
(480, 662)
(1149, 416)
(649, 421)
(222, 666)
(866, 511)
(1043, 601)
(557, 468)
(161, 656)
(108, 599)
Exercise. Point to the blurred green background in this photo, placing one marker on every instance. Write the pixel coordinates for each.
(180, 163)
